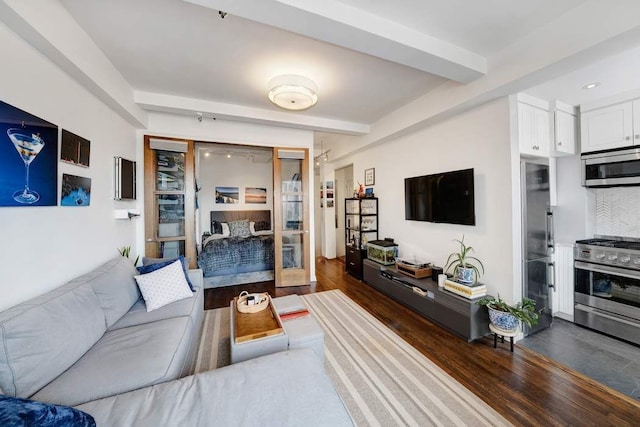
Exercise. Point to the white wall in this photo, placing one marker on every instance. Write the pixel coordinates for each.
(478, 139)
(219, 171)
(43, 247)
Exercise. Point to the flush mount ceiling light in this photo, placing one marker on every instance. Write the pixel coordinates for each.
(293, 92)
(591, 85)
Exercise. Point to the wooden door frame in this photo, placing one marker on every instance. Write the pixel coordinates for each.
(290, 276)
(151, 213)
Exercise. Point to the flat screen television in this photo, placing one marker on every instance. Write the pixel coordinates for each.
(125, 179)
(443, 197)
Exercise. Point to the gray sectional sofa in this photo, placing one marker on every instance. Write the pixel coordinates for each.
(92, 344)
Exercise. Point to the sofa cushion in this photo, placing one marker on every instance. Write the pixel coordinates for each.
(148, 268)
(164, 286)
(17, 412)
(289, 388)
(138, 315)
(123, 360)
(115, 287)
(42, 337)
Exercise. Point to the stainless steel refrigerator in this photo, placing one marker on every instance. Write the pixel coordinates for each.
(537, 241)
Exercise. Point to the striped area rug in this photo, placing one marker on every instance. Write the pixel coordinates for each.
(382, 379)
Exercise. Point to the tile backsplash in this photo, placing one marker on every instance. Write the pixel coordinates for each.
(618, 211)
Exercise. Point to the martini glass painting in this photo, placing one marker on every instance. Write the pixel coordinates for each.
(28, 147)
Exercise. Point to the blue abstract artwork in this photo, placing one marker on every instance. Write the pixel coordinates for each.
(76, 191)
(28, 159)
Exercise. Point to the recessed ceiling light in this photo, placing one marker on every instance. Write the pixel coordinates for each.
(206, 154)
(228, 155)
(591, 85)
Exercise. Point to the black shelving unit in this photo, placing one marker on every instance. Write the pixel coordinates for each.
(361, 226)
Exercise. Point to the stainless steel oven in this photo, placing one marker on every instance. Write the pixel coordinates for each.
(607, 287)
(611, 168)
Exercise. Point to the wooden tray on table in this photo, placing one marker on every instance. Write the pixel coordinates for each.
(252, 326)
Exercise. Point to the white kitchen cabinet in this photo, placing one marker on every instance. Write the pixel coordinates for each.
(609, 127)
(564, 143)
(533, 130)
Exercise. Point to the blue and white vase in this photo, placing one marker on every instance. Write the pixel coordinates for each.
(465, 275)
(504, 321)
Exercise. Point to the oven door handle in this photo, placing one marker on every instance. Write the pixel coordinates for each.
(606, 314)
(631, 274)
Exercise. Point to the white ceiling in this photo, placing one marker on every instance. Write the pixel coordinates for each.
(368, 57)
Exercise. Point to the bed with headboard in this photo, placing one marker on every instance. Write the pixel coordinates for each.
(238, 249)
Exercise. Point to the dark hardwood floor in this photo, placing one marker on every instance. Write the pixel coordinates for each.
(525, 387)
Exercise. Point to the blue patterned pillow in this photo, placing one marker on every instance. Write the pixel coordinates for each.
(144, 269)
(17, 412)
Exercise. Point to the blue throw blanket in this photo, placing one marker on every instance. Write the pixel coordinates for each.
(17, 412)
(222, 257)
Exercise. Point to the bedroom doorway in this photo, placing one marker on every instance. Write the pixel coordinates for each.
(169, 198)
(291, 216)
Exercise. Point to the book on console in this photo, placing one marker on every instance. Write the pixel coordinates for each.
(465, 294)
(294, 315)
(467, 285)
(465, 291)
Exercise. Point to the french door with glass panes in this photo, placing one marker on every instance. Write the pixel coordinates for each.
(169, 184)
(291, 216)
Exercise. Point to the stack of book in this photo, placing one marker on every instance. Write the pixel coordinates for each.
(467, 290)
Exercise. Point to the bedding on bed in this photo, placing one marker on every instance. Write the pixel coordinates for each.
(224, 256)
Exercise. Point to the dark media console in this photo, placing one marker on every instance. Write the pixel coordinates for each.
(457, 314)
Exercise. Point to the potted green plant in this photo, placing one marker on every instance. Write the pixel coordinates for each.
(506, 317)
(463, 264)
(125, 251)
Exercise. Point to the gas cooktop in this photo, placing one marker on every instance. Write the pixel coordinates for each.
(611, 243)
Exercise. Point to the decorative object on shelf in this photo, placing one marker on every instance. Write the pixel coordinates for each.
(293, 92)
(463, 264)
(413, 268)
(368, 192)
(252, 303)
(505, 317)
(370, 176)
(382, 251)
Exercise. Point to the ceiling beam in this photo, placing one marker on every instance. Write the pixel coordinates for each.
(239, 113)
(49, 28)
(356, 29)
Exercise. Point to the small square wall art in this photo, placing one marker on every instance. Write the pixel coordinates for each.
(76, 191)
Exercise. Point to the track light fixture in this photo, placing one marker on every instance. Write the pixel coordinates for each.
(199, 116)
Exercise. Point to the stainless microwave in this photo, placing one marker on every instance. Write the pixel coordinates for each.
(611, 168)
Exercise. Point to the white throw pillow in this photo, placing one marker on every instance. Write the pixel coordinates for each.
(163, 286)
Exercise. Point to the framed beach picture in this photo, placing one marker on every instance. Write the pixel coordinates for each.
(74, 149)
(28, 159)
(76, 191)
(255, 195)
(227, 195)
